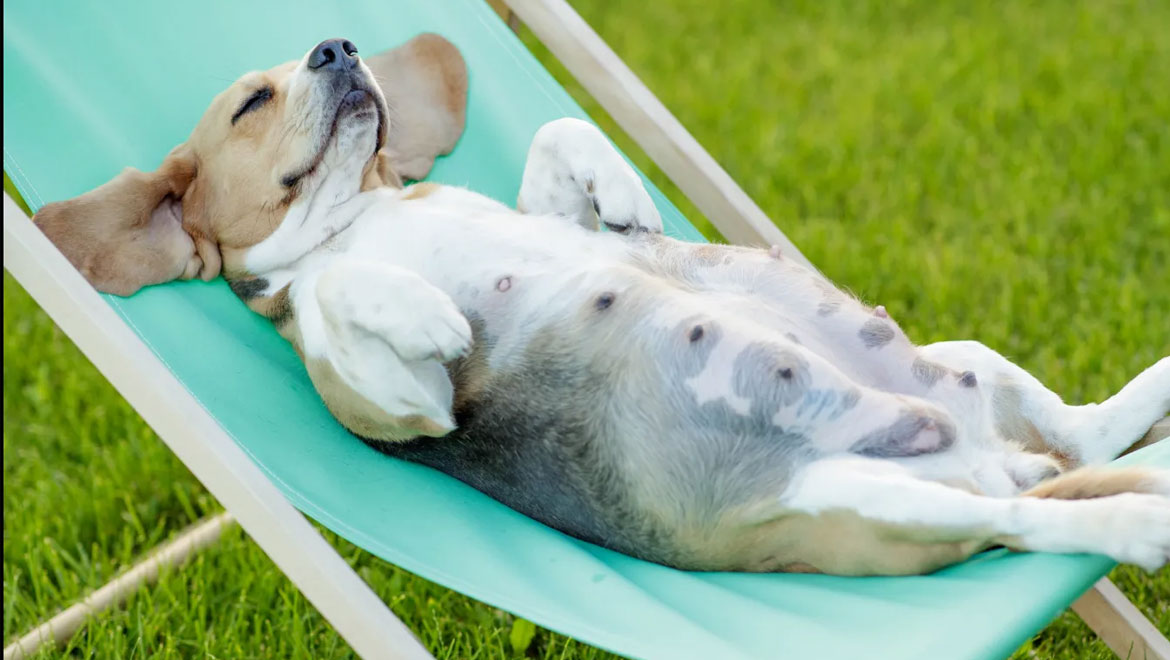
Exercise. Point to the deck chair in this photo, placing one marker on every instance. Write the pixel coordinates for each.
(264, 445)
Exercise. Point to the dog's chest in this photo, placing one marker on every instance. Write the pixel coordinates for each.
(500, 267)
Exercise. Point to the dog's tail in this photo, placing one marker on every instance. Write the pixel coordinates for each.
(1089, 482)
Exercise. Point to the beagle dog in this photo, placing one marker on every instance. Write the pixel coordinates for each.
(703, 406)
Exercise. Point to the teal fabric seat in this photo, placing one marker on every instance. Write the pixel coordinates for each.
(98, 86)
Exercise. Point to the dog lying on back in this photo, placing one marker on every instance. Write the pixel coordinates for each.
(702, 406)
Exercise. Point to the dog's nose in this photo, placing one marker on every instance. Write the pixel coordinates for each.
(333, 54)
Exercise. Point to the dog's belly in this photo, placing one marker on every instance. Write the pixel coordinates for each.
(615, 403)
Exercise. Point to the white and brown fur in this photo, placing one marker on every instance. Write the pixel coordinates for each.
(703, 406)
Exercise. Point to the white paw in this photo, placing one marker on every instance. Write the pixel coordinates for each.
(574, 171)
(413, 317)
(1157, 482)
(623, 205)
(1027, 469)
(1136, 530)
(433, 328)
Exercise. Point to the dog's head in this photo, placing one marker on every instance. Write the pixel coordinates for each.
(329, 123)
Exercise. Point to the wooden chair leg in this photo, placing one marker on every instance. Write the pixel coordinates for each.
(63, 626)
(1119, 624)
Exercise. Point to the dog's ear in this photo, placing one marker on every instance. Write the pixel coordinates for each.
(140, 228)
(425, 84)
(380, 172)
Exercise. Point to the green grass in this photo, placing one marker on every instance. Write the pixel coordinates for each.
(994, 171)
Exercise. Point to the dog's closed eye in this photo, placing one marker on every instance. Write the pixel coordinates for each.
(259, 98)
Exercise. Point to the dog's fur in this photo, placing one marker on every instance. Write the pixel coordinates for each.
(703, 406)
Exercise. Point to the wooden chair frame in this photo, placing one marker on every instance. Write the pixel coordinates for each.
(284, 534)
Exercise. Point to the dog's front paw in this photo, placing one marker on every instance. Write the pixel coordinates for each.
(434, 329)
(572, 166)
(623, 205)
(412, 317)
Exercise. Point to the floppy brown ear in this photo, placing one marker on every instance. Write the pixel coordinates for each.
(130, 232)
(379, 172)
(425, 84)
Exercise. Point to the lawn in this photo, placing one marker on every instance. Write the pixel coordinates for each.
(992, 171)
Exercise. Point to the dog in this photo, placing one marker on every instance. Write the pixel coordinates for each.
(707, 407)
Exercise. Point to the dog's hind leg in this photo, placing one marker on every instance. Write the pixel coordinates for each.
(574, 171)
(1026, 411)
(858, 516)
(375, 339)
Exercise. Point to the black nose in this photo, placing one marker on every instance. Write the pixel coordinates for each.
(334, 54)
